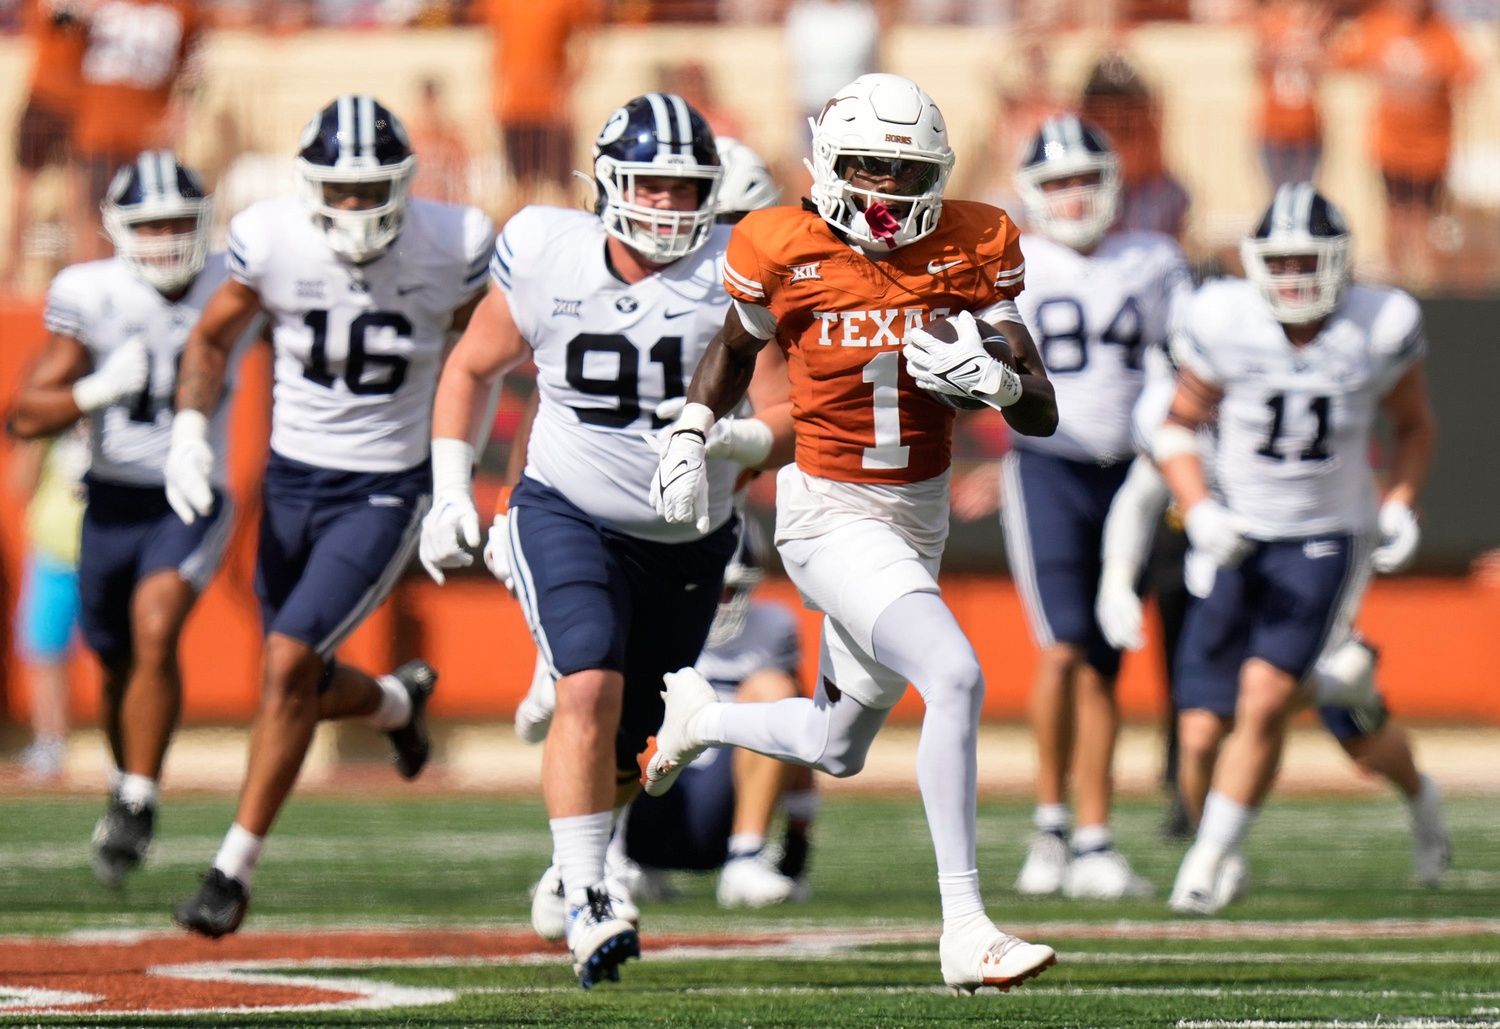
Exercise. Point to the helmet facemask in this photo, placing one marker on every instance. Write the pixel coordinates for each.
(363, 233)
(740, 579)
(166, 261)
(880, 162)
(1076, 215)
(659, 235)
(1299, 296)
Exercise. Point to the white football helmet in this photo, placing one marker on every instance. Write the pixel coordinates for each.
(156, 187)
(1300, 222)
(1078, 216)
(747, 185)
(357, 141)
(887, 127)
(743, 573)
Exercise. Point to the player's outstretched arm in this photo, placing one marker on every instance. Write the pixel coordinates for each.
(1413, 437)
(490, 346)
(61, 388)
(1035, 413)
(188, 473)
(723, 377)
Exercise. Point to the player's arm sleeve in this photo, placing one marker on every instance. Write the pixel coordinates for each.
(1190, 347)
(512, 264)
(750, 283)
(478, 251)
(1401, 338)
(66, 310)
(1133, 516)
(249, 247)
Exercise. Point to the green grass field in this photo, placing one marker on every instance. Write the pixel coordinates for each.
(1333, 934)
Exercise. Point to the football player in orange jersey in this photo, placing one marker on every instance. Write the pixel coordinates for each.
(844, 285)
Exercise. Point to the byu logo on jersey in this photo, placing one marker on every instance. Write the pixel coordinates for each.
(627, 305)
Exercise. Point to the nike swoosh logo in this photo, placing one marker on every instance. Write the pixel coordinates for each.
(677, 314)
(401, 291)
(935, 267)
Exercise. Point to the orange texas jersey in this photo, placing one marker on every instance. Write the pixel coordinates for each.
(841, 317)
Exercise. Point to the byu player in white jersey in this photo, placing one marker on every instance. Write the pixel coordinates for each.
(117, 330)
(363, 287)
(1097, 301)
(616, 308)
(1341, 684)
(1294, 365)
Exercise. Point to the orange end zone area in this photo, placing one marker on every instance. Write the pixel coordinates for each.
(1440, 648)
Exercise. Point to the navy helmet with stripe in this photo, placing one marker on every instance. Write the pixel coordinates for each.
(1299, 255)
(657, 135)
(1069, 180)
(157, 213)
(357, 165)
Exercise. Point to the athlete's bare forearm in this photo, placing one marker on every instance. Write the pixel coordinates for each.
(205, 356)
(723, 376)
(1035, 413)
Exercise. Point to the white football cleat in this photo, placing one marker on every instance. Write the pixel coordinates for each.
(1431, 854)
(989, 957)
(549, 910)
(1046, 865)
(1233, 883)
(1103, 875)
(599, 940)
(534, 712)
(687, 693)
(1196, 890)
(752, 882)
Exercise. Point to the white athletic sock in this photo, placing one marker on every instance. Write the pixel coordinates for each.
(746, 844)
(960, 894)
(395, 704)
(137, 790)
(1088, 838)
(801, 805)
(238, 854)
(1225, 822)
(1053, 818)
(579, 843)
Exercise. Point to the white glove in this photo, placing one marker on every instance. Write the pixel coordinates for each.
(1217, 533)
(1399, 535)
(497, 552)
(1117, 609)
(1198, 573)
(963, 368)
(679, 489)
(124, 373)
(745, 441)
(188, 473)
(450, 532)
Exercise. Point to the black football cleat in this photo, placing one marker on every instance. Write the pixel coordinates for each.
(411, 742)
(217, 910)
(121, 839)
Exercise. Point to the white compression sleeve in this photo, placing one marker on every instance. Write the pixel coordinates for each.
(1133, 516)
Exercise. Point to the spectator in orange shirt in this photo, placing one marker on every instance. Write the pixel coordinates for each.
(134, 58)
(442, 173)
(44, 137)
(535, 66)
(690, 80)
(1418, 64)
(1117, 100)
(1290, 37)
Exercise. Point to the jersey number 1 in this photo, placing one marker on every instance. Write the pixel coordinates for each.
(883, 370)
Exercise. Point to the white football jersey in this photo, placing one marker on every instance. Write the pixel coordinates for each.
(607, 354)
(768, 641)
(358, 348)
(102, 304)
(1094, 318)
(1294, 424)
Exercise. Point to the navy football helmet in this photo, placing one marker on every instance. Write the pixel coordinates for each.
(356, 146)
(156, 187)
(744, 572)
(1300, 222)
(656, 135)
(1076, 216)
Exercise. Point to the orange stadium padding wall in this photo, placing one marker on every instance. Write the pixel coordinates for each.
(1439, 638)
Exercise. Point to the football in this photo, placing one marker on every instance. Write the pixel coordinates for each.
(943, 329)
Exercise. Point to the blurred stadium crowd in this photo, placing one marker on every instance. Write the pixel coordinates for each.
(109, 78)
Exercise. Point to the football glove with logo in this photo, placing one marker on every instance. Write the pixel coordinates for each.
(1399, 535)
(679, 489)
(963, 368)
